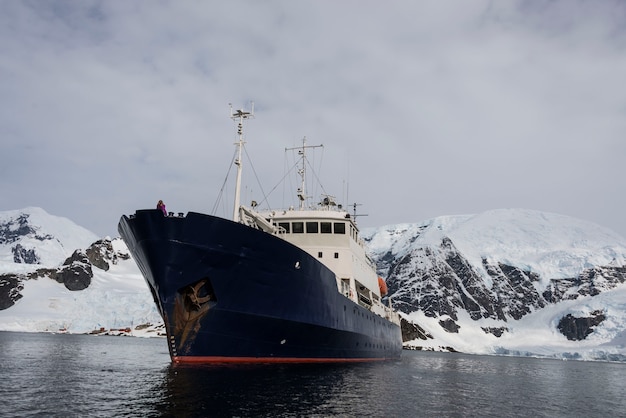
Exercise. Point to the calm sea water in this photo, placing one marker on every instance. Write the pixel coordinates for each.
(80, 375)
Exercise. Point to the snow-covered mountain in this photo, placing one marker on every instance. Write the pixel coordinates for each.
(56, 276)
(502, 282)
(508, 281)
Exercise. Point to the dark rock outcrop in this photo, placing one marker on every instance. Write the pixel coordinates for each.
(412, 331)
(24, 255)
(513, 290)
(10, 287)
(589, 283)
(449, 325)
(101, 253)
(497, 331)
(577, 329)
(76, 272)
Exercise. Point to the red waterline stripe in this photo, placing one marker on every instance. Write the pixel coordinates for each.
(217, 359)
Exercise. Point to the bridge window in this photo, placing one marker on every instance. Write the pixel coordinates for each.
(312, 227)
(319, 254)
(340, 228)
(326, 227)
(284, 225)
(298, 227)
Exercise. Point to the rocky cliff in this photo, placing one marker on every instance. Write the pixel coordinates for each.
(498, 266)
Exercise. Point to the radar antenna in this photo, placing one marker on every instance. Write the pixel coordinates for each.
(354, 214)
(239, 116)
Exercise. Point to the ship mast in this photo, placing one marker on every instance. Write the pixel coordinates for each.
(302, 170)
(239, 116)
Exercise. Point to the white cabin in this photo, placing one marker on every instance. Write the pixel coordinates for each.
(329, 234)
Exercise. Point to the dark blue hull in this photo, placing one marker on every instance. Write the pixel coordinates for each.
(228, 292)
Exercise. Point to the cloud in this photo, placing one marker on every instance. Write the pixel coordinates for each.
(424, 108)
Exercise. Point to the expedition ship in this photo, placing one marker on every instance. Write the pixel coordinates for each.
(293, 285)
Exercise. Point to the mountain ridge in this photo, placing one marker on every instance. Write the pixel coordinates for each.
(510, 281)
(492, 271)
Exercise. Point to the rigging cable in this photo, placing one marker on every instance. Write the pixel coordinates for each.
(256, 177)
(221, 193)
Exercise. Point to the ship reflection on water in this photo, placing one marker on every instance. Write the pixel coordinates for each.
(418, 384)
(275, 390)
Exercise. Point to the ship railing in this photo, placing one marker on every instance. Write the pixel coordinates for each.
(385, 311)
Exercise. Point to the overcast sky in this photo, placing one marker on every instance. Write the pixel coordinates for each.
(424, 108)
